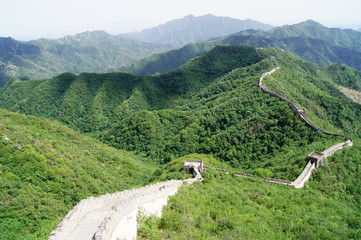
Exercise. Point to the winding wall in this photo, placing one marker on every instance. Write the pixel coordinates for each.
(306, 173)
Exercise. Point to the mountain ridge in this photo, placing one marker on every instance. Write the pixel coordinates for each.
(309, 40)
(195, 29)
(95, 51)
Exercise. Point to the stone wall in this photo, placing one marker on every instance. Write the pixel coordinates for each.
(69, 222)
(121, 202)
(124, 207)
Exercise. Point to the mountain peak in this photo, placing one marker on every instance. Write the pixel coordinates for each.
(311, 22)
(190, 16)
(196, 29)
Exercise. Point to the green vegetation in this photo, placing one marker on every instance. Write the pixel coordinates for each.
(3, 78)
(167, 61)
(345, 76)
(225, 206)
(211, 105)
(47, 168)
(209, 109)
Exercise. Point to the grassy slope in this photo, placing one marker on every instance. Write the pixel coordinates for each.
(47, 168)
(345, 76)
(90, 102)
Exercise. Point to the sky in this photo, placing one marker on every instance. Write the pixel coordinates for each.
(33, 19)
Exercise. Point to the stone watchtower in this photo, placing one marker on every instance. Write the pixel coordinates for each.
(193, 166)
(316, 158)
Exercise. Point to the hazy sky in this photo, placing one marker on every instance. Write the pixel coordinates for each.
(32, 19)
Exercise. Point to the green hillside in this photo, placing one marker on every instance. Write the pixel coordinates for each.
(93, 102)
(345, 76)
(312, 88)
(47, 168)
(167, 61)
(308, 40)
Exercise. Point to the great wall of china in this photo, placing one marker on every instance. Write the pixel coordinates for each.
(317, 159)
(113, 216)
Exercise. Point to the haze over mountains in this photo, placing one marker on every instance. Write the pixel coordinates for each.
(95, 51)
(99, 51)
(309, 40)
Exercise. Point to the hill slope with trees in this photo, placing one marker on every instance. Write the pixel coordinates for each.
(47, 168)
(210, 105)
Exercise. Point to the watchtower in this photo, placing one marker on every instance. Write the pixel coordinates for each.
(193, 166)
(316, 158)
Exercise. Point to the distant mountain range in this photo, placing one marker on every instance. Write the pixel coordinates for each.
(99, 51)
(95, 51)
(309, 40)
(192, 29)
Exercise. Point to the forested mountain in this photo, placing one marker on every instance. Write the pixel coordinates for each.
(211, 106)
(165, 62)
(191, 29)
(47, 168)
(206, 106)
(95, 51)
(308, 40)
